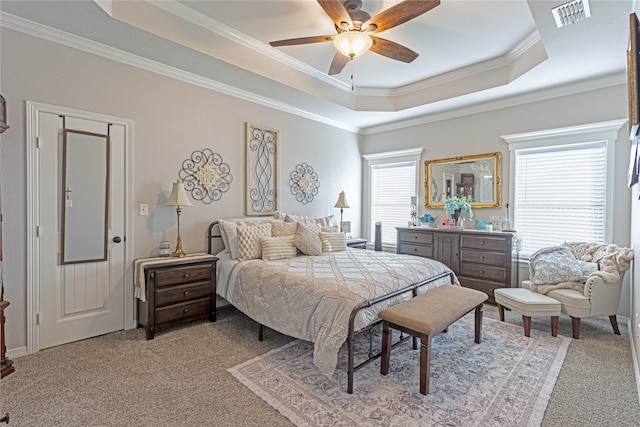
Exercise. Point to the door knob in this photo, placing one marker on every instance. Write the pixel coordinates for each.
(117, 239)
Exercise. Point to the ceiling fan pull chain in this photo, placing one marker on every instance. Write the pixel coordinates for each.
(351, 60)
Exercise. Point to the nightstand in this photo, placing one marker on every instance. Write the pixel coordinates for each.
(176, 290)
(357, 243)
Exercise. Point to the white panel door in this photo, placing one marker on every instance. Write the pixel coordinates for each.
(77, 301)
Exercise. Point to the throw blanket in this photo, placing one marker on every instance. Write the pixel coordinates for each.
(607, 261)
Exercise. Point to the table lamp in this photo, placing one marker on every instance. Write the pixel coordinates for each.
(342, 204)
(178, 198)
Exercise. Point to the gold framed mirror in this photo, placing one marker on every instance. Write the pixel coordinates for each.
(476, 176)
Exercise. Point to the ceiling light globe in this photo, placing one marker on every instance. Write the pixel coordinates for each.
(352, 43)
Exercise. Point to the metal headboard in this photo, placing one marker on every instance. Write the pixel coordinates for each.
(213, 232)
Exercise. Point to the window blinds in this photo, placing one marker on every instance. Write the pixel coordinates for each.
(560, 195)
(392, 186)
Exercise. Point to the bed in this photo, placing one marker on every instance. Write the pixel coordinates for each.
(324, 299)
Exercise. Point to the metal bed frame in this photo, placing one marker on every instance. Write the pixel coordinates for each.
(352, 367)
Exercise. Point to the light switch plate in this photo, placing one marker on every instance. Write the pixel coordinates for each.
(144, 209)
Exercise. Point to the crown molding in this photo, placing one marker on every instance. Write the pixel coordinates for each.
(35, 29)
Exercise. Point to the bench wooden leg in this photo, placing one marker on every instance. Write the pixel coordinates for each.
(501, 312)
(575, 327)
(554, 325)
(527, 325)
(425, 363)
(386, 348)
(478, 323)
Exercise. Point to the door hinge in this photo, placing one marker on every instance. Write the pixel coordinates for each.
(37, 142)
(37, 318)
(37, 231)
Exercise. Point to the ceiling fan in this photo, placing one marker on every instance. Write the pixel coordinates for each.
(356, 29)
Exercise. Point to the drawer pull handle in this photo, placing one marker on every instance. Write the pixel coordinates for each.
(415, 237)
(482, 257)
(186, 275)
(186, 310)
(481, 271)
(186, 292)
(482, 243)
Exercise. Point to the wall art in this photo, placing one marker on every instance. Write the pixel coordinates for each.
(205, 176)
(261, 170)
(304, 183)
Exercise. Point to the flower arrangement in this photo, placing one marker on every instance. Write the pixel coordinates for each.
(463, 204)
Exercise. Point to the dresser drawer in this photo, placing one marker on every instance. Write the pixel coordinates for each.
(184, 311)
(498, 259)
(186, 274)
(415, 237)
(484, 242)
(484, 272)
(420, 250)
(182, 293)
(486, 287)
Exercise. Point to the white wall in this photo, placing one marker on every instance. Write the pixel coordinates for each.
(172, 119)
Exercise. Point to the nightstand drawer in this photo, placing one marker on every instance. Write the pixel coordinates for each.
(181, 312)
(419, 250)
(416, 237)
(182, 293)
(195, 273)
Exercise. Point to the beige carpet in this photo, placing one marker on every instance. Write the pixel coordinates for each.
(180, 378)
(505, 380)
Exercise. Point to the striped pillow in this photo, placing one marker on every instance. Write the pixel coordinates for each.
(307, 240)
(274, 248)
(333, 242)
(249, 237)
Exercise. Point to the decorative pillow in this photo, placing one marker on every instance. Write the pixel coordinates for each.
(332, 229)
(307, 240)
(588, 268)
(278, 247)
(308, 220)
(249, 237)
(553, 265)
(279, 228)
(333, 242)
(229, 233)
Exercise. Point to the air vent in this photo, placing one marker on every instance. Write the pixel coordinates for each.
(570, 13)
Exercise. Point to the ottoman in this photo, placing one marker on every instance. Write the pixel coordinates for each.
(528, 304)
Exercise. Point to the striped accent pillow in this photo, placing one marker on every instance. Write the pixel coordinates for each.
(274, 248)
(307, 240)
(333, 242)
(249, 237)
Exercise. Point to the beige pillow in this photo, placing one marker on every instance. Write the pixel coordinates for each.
(308, 220)
(279, 229)
(229, 233)
(307, 240)
(333, 242)
(332, 229)
(249, 237)
(274, 248)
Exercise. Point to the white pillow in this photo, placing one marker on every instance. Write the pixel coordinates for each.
(274, 248)
(325, 221)
(229, 231)
(249, 238)
(307, 240)
(333, 242)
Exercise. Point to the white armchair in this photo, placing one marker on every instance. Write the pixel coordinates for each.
(597, 293)
(598, 299)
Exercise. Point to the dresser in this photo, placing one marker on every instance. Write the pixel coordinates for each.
(481, 260)
(177, 290)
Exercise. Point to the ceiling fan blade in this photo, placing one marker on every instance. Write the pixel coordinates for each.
(400, 13)
(336, 11)
(392, 50)
(338, 63)
(302, 40)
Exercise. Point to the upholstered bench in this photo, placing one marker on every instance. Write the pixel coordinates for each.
(426, 315)
(528, 304)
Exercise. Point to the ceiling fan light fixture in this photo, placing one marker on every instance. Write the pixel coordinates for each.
(352, 43)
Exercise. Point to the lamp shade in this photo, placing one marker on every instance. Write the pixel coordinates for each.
(342, 201)
(178, 196)
(352, 43)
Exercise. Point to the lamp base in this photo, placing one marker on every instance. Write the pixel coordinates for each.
(178, 252)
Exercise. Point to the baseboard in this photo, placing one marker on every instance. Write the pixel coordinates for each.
(634, 356)
(14, 353)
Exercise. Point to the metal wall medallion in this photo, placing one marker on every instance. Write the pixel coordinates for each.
(304, 183)
(205, 176)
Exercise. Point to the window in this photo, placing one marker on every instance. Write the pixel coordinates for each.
(560, 185)
(560, 195)
(392, 181)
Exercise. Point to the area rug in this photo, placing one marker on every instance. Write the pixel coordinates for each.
(507, 379)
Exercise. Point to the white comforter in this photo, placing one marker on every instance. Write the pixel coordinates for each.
(311, 297)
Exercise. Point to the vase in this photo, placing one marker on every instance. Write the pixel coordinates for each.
(455, 215)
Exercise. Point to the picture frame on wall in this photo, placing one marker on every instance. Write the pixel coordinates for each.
(261, 170)
(633, 61)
